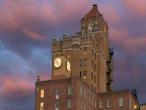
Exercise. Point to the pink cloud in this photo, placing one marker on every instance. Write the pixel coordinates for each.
(12, 85)
(124, 39)
(15, 14)
(34, 35)
(136, 7)
(19, 84)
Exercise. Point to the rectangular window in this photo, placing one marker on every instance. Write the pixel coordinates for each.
(121, 101)
(84, 62)
(130, 103)
(81, 105)
(84, 74)
(100, 104)
(80, 74)
(92, 76)
(92, 53)
(69, 90)
(108, 103)
(81, 91)
(94, 67)
(95, 55)
(42, 106)
(81, 63)
(57, 105)
(57, 91)
(69, 103)
(95, 78)
(95, 103)
(42, 93)
(92, 64)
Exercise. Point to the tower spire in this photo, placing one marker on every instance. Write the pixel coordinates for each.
(93, 12)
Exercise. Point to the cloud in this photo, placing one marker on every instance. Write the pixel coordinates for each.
(16, 14)
(34, 35)
(125, 40)
(12, 85)
(136, 7)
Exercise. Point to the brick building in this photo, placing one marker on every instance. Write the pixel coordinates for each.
(82, 72)
(143, 107)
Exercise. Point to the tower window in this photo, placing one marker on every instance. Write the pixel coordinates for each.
(84, 74)
(81, 91)
(92, 76)
(95, 55)
(42, 93)
(92, 64)
(81, 104)
(42, 106)
(95, 78)
(84, 62)
(80, 74)
(100, 104)
(108, 102)
(94, 67)
(92, 53)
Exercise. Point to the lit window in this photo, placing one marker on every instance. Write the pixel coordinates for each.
(121, 102)
(135, 107)
(42, 93)
(42, 106)
(100, 104)
(69, 103)
(84, 74)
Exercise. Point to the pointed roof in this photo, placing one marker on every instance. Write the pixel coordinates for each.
(92, 13)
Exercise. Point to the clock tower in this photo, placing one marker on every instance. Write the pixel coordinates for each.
(86, 54)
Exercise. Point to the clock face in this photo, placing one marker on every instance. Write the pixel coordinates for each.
(68, 66)
(57, 62)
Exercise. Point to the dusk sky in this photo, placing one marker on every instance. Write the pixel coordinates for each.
(26, 30)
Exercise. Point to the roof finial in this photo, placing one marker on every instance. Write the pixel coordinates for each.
(94, 5)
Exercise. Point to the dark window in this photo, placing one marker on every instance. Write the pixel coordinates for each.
(80, 74)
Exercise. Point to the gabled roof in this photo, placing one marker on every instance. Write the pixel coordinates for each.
(92, 13)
